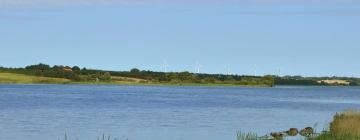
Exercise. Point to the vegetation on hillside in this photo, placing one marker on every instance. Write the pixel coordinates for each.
(77, 74)
(136, 76)
(315, 81)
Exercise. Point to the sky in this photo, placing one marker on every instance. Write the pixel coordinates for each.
(245, 37)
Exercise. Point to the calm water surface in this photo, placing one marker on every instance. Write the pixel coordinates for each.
(46, 112)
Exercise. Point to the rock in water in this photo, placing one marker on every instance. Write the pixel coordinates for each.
(293, 132)
(307, 131)
(277, 135)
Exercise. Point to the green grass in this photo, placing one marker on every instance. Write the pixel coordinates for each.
(13, 78)
(345, 126)
(246, 136)
(331, 136)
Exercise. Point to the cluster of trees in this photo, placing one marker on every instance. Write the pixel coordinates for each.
(187, 77)
(55, 71)
(76, 73)
(59, 71)
(296, 81)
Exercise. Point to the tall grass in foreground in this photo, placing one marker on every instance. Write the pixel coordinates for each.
(345, 126)
(246, 136)
(249, 136)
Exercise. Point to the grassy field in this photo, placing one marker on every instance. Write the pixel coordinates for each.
(14, 78)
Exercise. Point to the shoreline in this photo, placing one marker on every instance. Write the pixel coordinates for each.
(135, 84)
(15, 78)
(344, 126)
(161, 84)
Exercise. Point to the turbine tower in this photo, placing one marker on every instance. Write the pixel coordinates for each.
(198, 66)
(227, 68)
(279, 74)
(165, 66)
(255, 72)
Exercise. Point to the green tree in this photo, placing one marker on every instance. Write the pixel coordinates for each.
(106, 77)
(186, 76)
(40, 66)
(76, 69)
(209, 80)
(135, 70)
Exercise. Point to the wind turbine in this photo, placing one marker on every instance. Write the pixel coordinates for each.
(255, 72)
(279, 72)
(165, 66)
(197, 67)
(227, 68)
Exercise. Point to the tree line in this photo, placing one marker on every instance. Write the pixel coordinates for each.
(75, 73)
(59, 71)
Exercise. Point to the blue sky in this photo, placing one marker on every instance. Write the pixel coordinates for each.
(314, 38)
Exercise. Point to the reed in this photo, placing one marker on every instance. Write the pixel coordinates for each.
(103, 137)
(345, 126)
(246, 136)
(249, 136)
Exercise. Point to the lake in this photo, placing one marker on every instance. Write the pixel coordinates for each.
(47, 112)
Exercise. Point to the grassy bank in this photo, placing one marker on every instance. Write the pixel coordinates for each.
(13, 78)
(345, 126)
